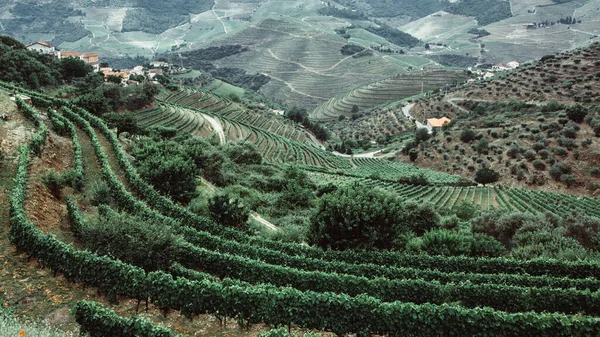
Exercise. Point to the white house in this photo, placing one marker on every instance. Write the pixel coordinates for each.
(513, 64)
(44, 48)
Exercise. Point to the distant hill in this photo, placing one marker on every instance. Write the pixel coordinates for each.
(538, 126)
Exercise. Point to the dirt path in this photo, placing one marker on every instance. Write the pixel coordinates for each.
(316, 71)
(360, 155)
(263, 221)
(219, 18)
(216, 125)
(292, 88)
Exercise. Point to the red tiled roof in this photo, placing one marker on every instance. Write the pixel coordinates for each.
(46, 44)
(64, 54)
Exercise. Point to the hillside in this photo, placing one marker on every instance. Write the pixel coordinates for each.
(388, 90)
(153, 209)
(535, 125)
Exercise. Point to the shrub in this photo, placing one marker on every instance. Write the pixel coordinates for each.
(576, 113)
(228, 211)
(486, 175)
(539, 165)
(568, 179)
(529, 155)
(559, 169)
(357, 218)
(55, 182)
(99, 194)
(467, 135)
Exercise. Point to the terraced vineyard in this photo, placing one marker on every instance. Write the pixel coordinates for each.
(278, 140)
(287, 284)
(185, 121)
(265, 120)
(486, 198)
(385, 91)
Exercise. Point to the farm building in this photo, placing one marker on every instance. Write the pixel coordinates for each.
(437, 122)
(44, 48)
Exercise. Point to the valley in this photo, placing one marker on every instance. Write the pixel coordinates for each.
(266, 168)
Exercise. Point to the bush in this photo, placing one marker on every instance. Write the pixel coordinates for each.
(357, 218)
(486, 175)
(559, 169)
(146, 244)
(576, 113)
(244, 153)
(99, 194)
(467, 135)
(228, 211)
(539, 165)
(568, 179)
(452, 243)
(55, 182)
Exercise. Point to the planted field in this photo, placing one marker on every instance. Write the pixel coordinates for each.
(385, 91)
(290, 284)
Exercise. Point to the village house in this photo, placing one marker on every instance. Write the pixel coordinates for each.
(437, 122)
(44, 48)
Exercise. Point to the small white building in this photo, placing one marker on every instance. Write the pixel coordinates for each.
(513, 64)
(437, 122)
(44, 48)
(488, 75)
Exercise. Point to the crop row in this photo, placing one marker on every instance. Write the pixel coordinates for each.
(447, 264)
(277, 306)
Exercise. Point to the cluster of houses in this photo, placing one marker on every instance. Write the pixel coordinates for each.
(489, 73)
(156, 67)
(47, 48)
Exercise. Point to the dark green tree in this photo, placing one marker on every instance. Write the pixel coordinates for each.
(356, 219)
(486, 175)
(74, 68)
(228, 211)
(576, 113)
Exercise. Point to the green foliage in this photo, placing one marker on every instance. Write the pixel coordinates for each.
(452, 60)
(228, 211)
(123, 123)
(479, 32)
(465, 211)
(394, 35)
(467, 135)
(74, 68)
(351, 49)
(413, 154)
(486, 175)
(151, 17)
(169, 168)
(355, 218)
(244, 153)
(576, 113)
(97, 321)
(342, 13)
(451, 243)
(55, 182)
(484, 11)
(149, 245)
(559, 169)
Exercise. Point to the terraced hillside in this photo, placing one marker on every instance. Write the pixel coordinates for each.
(280, 284)
(304, 61)
(279, 140)
(539, 117)
(385, 91)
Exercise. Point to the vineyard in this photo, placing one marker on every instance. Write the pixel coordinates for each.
(286, 284)
(385, 91)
